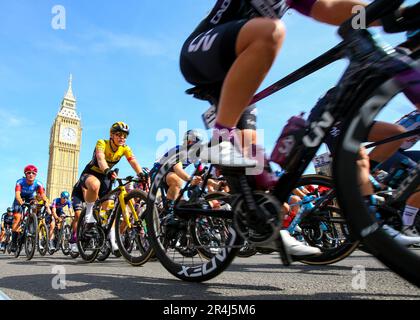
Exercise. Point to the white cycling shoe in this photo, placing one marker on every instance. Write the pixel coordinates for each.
(399, 237)
(73, 247)
(225, 154)
(297, 248)
(112, 240)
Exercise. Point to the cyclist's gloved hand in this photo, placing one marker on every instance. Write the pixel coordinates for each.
(407, 18)
(111, 174)
(141, 176)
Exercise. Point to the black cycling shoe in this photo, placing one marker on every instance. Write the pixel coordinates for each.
(91, 230)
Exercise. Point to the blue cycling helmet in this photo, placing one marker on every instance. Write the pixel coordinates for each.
(65, 195)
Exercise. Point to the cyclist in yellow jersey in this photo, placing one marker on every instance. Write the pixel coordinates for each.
(96, 178)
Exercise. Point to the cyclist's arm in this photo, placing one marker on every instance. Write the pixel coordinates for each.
(100, 157)
(54, 213)
(19, 198)
(129, 155)
(135, 165)
(335, 12)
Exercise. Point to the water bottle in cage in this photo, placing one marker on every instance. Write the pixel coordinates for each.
(291, 134)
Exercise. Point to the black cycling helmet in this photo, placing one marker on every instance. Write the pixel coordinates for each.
(9, 209)
(191, 137)
(120, 127)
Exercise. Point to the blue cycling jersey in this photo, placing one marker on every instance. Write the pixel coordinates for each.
(28, 192)
(59, 206)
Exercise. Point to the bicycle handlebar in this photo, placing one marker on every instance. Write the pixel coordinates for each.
(374, 11)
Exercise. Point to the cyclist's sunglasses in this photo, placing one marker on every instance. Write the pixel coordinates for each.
(121, 135)
(30, 172)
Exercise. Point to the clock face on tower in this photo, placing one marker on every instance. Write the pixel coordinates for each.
(68, 135)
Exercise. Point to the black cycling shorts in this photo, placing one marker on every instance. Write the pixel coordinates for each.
(207, 57)
(77, 197)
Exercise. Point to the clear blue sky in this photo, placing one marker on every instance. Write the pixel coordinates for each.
(124, 59)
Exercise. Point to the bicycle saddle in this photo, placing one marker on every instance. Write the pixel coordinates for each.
(207, 92)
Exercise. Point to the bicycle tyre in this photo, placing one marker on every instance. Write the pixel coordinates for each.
(194, 272)
(104, 252)
(42, 237)
(65, 238)
(333, 255)
(81, 242)
(146, 253)
(365, 227)
(31, 236)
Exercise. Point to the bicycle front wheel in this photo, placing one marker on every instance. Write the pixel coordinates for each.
(367, 226)
(169, 240)
(132, 240)
(31, 236)
(42, 239)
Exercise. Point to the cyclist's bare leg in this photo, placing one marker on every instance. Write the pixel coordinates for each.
(363, 164)
(92, 191)
(17, 217)
(175, 184)
(257, 46)
(51, 229)
(383, 130)
(75, 220)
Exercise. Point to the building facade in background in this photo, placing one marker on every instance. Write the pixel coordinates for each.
(64, 150)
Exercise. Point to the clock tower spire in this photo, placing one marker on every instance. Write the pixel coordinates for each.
(65, 142)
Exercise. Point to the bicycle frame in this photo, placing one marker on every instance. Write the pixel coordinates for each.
(122, 193)
(368, 62)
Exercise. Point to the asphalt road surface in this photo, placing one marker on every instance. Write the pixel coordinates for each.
(260, 277)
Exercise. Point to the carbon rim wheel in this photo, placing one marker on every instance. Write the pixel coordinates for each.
(402, 260)
(133, 242)
(165, 240)
(88, 248)
(42, 240)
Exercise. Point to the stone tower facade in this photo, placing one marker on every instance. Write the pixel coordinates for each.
(65, 143)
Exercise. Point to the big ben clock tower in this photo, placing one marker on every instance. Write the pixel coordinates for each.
(65, 141)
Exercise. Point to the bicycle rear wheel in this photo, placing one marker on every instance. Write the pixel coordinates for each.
(402, 260)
